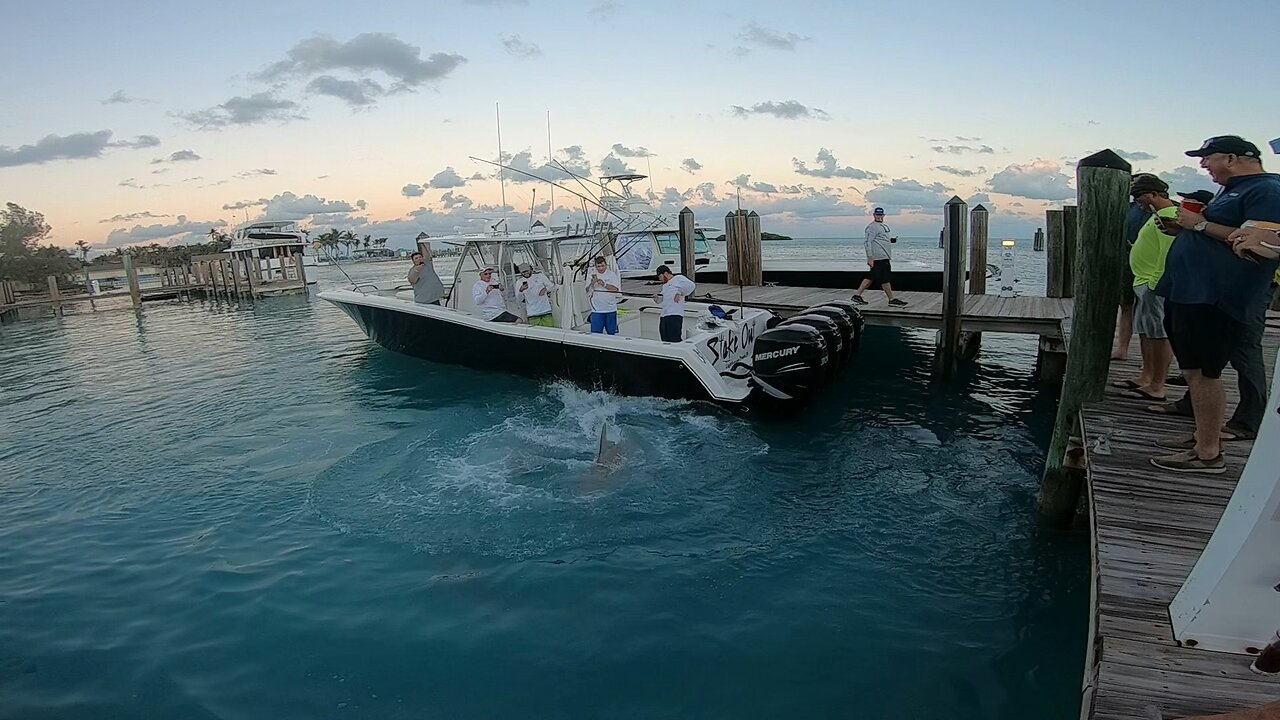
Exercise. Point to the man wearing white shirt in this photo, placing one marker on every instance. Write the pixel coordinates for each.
(603, 286)
(534, 289)
(878, 259)
(487, 295)
(675, 289)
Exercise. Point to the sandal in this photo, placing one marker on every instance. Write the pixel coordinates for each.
(1229, 433)
(1141, 394)
(1126, 384)
(1167, 408)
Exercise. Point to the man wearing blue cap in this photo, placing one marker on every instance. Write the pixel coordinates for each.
(878, 259)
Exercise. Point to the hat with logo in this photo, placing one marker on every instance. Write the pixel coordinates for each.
(1145, 183)
(662, 269)
(878, 211)
(1201, 196)
(1227, 144)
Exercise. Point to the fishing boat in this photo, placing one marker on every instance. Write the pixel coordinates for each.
(272, 244)
(727, 355)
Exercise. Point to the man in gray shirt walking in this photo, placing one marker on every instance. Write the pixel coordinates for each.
(878, 259)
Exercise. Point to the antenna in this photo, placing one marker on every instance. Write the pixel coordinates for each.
(649, 165)
(551, 216)
(533, 205)
(502, 180)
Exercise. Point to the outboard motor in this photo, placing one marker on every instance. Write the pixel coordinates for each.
(842, 320)
(859, 324)
(789, 363)
(830, 332)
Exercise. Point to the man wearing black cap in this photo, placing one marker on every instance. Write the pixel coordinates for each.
(1146, 265)
(675, 290)
(878, 259)
(1214, 296)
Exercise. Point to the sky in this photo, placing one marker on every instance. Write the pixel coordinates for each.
(141, 122)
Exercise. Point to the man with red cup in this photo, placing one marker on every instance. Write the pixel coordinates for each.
(1215, 300)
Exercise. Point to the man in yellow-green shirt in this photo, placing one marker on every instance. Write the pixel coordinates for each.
(1146, 260)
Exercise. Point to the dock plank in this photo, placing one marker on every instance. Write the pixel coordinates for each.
(1149, 528)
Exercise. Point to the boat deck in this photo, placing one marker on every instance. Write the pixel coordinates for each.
(990, 313)
(1148, 529)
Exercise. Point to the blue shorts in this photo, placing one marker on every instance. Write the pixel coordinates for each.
(604, 322)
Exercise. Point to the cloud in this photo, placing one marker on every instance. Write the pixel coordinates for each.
(76, 146)
(828, 167)
(613, 165)
(181, 231)
(476, 176)
(141, 141)
(604, 10)
(983, 199)
(257, 108)
(787, 110)
(366, 52)
(1138, 155)
(909, 194)
(690, 165)
(446, 178)
(961, 149)
(1039, 180)
(356, 93)
(119, 98)
(179, 156)
(961, 172)
(1188, 179)
(744, 182)
(573, 158)
(146, 214)
(131, 183)
(516, 47)
(288, 206)
(245, 204)
(254, 173)
(961, 138)
(754, 35)
(624, 151)
(412, 190)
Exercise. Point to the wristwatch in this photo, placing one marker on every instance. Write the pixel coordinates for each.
(1200, 226)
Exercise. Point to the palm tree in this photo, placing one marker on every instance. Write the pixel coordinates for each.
(84, 250)
(348, 239)
(368, 239)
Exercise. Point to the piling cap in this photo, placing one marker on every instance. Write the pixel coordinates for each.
(1105, 159)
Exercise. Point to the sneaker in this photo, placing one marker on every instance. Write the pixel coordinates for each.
(1188, 462)
(859, 300)
(1182, 442)
(898, 302)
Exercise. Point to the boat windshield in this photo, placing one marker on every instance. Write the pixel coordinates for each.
(669, 242)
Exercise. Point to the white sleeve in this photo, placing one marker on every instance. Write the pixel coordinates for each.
(477, 293)
(685, 287)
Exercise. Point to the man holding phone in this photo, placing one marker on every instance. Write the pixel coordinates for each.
(1217, 302)
(487, 295)
(603, 286)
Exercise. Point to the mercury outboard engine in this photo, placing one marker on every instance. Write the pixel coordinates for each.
(830, 332)
(859, 324)
(842, 320)
(789, 363)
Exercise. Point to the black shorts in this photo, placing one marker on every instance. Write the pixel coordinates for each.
(505, 317)
(671, 328)
(881, 271)
(1203, 337)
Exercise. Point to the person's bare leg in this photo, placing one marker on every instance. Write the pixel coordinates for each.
(862, 287)
(1144, 375)
(1161, 359)
(1125, 327)
(1210, 405)
(888, 290)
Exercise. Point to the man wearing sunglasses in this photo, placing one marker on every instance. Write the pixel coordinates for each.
(487, 295)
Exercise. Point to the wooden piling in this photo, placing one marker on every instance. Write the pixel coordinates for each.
(1038, 244)
(978, 250)
(302, 273)
(1103, 181)
(131, 275)
(1055, 269)
(942, 237)
(55, 295)
(686, 243)
(956, 217)
(742, 245)
(235, 275)
(1071, 256)
(247, 261)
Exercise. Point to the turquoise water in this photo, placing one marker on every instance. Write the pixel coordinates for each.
(240, 510)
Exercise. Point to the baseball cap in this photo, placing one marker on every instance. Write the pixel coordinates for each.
(661, 269)
(523, 267)
(878, 211)
(486, 270)
(1229, 144)
(1145, 183)
(1201, 196)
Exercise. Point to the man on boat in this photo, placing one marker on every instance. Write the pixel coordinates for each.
(675, 289)
(603, 285)
(878, 259)
(427, 288)
(487, 295)
(1214, 298)
(534, 289)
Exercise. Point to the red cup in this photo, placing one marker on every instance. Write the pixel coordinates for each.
(1194, 206)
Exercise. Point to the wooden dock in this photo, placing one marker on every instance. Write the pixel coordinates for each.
(989, 313)
(1148, 528)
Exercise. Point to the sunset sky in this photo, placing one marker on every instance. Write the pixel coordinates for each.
(153, 122)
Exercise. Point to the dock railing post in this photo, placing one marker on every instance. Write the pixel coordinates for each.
(732, 251)
(1038, 244)
(753, 269)
(235, 274)
(954, 231)
(131, 275)
(1071, 253)
(1102, 180)
(248, 275)
(302, 273)
(686, 243)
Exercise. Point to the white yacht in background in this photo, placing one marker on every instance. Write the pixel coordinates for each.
(270, 240)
